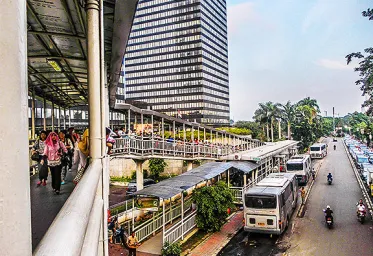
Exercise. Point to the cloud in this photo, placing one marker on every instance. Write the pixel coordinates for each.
(243, 14)
(334, 64)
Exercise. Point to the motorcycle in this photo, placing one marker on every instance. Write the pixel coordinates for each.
(335, 147)
(329, 222)
(361, 216)
(330, 181)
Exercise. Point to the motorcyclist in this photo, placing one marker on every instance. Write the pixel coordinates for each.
(330, 176)
(335, 146)
(328, 213)
(361, 208)
(360, 202)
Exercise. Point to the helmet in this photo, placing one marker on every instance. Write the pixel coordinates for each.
(327, 207)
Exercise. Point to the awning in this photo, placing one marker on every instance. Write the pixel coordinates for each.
(244, 166)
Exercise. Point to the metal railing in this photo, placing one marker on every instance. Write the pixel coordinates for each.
(154, 224)
(177, 231)
(147, 146)
(83, 207)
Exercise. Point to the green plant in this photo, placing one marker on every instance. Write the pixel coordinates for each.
(120, 179)
(156, 167)
(133, 175)
(212, 204)
(169, 249)
(146, 174)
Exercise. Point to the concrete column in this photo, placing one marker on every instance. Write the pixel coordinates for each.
(45, 114)
(244, 180)
(139, 174)
(33, 115)
(15, 209)
(184, 138)
(64, 118)
(52, 116)
(94, 77)
(228, 178)
(189, 165)
(59, 118)
(129, 120)
(69, 117)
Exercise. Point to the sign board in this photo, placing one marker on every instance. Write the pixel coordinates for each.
(148, 203)
(257, 159)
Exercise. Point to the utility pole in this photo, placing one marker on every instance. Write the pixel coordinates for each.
(326, 113)
(333, 121)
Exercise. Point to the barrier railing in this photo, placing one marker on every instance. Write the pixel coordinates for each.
(178, 230)
(83, 206)
(147, 146)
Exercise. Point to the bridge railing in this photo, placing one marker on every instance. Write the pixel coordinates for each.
(147, 146)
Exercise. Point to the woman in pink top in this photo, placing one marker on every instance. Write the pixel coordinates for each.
(52, 152)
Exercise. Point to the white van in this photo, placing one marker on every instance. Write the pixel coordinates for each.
(301, 166)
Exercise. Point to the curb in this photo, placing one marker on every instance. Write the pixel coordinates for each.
(301, 208)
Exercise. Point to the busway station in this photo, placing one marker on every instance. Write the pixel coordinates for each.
(174, 215)
(68, 53)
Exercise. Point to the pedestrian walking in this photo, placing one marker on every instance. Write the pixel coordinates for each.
(313, 174)
(65, 156)
(81, 154)
(52, 153)
(37, 154)
(132, 243)
(302, 194)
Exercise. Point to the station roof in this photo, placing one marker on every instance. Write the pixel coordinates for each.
(173, 186)
(262, 152)
(57, 47)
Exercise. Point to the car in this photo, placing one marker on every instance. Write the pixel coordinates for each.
(334, 139)
(132, 185)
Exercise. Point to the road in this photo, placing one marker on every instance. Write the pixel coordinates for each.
(348, 237)
(309, 235)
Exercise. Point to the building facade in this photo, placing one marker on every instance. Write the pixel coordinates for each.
(177, 59)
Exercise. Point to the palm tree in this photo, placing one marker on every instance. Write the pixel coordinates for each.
(261, 116)
(288, 114)
(311, 103)
(273, 113)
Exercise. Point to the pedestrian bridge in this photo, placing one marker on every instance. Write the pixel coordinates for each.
(62, 52)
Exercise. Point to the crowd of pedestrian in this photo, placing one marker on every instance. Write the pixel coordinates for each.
(59, 154)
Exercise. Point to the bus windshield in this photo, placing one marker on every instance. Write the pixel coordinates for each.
(294, 166)
(315, 148)
(260, 202)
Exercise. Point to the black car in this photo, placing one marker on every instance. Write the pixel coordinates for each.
(132, 186)
(334, 139)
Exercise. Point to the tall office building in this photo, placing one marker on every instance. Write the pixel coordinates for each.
(177, 59)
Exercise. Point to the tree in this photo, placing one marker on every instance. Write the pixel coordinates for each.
(273, 113)
(262, 117)
(212, 204)
(288, 114)
(311, 103)
(173, 249)
(254, 127)
(156, 167)
(365, 69)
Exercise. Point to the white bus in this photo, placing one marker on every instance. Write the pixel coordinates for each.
(301, 166)
(268, 205)
(318, 150)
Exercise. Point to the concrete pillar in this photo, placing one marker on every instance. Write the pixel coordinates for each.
(129, 120)
(189, 165)
(69, 117)
(94, 77)
(64, 118)
(59, 119)
(15, 209)
(244, 180)
(33, 115)
(139, 174)
(45, 114)
(52, 116)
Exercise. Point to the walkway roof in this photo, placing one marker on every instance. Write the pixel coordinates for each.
(262, 152)
(57, 47)
(173, 186)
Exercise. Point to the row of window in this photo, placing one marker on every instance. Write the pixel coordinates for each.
(214, 121)
(212, 58)
(158, 30)
(183, 98)
(158, 72)
(167, 7)
(207, 62)
(179, 91)
(159, 19)
(190, 105)
(157, 41)
(214, 32)
(218, 14)
(164, 60)
(131, 55)
(208, 43)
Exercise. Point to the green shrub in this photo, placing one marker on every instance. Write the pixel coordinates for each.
(171, 249)
(156, 166)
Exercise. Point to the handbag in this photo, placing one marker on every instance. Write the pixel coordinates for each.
(35, 156)
(80, 172)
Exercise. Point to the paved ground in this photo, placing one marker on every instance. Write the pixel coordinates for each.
(348, 237)
(118, 250)
(117, 194)
(45, 205)
(213, 244)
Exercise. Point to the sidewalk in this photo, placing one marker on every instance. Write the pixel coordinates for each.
(216, 242)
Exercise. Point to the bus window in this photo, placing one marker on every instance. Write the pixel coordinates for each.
(260, 202)
(295, 167)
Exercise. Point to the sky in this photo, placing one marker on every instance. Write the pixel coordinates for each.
(282, 50)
